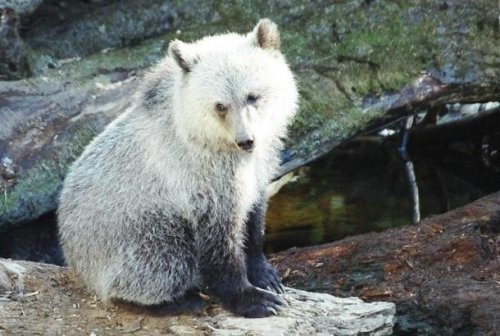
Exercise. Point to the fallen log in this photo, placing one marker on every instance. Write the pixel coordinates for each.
(443, 274)
(426, 93)
(45, 299)
(44, 126)
(469, 128)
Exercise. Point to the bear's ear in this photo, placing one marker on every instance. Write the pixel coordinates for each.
(182, 55)
(266, 35)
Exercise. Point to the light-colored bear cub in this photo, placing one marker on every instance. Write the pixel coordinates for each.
(170, 198)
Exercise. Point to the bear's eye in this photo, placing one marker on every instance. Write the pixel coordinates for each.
(221, 108)
(252, 99)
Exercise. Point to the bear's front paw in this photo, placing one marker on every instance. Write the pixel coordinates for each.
(263, 275)
(255, 302)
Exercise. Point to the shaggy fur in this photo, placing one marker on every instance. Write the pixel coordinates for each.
(166, 200)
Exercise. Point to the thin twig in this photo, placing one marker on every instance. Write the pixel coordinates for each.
(410, 171)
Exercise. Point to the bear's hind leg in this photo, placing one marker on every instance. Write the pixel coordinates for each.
(191, 302)
(224, 272)
(160, 264)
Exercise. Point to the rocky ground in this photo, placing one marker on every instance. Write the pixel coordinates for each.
(42, 299)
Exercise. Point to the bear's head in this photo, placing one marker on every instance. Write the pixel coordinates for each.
(233, 92)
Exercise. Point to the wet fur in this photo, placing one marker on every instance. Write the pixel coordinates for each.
(163, 203)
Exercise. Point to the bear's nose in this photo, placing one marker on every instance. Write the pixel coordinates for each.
(246, 145)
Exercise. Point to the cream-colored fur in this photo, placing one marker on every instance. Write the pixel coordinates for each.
(138, 207)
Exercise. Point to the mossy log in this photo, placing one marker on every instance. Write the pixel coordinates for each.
(44, 126)
(359, 66)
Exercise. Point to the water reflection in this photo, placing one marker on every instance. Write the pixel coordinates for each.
(360, 188)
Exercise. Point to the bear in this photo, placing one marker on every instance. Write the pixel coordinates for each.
(168, 202)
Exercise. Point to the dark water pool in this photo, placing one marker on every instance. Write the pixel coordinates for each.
(363, 187)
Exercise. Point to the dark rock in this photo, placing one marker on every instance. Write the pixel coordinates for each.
(90, 29)
(13, 61)
(21, 7)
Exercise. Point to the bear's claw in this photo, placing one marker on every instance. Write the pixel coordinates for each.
(263, 275)
(255, 302)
